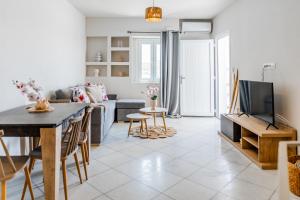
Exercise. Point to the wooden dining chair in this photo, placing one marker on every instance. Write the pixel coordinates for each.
(10, 166)
(84, 137)
(69, 147)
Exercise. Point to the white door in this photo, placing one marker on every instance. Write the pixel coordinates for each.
(197, 82)
(223, 68)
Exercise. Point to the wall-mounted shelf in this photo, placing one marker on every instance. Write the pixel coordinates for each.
(120, 71)
(119, 63)
(117, 41)
(120, 49)
(96, 45)
(96, 71)
(96, 63)
(115, 52)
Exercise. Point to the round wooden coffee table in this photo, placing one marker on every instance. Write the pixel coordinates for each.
(141, 118)
(155, 111)
(157, 131)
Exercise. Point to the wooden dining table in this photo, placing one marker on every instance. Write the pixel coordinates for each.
(18, 122)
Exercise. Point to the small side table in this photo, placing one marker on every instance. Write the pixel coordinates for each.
(157, 110)
(141, 118)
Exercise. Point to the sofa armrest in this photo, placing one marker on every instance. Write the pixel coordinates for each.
(97, 124)
(112, 97)
(60, 101)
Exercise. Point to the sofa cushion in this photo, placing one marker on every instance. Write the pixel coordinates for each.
(96, 92)
(130, 103)
(63, 94)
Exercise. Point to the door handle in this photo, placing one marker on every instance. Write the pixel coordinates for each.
(182, 78)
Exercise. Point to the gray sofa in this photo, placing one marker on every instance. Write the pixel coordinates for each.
(103, 115)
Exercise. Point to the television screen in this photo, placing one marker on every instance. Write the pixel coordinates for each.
(257, 99)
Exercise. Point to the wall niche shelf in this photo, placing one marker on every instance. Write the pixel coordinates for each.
(96, 63)
(120, 71)
(115, 53)
(96, 71)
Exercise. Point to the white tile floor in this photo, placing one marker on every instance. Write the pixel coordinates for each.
(196, 164)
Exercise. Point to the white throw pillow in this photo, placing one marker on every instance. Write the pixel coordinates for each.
(96, 92)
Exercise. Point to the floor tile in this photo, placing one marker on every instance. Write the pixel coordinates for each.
(160, 180)
(102, 197)
(174, 151)
(115, 159)
(162, 197)
(133, 191)
(94, 168)
(211, 178)
(221, 196)
(136, 151)
(264, 178)
(98, 152)
(181, 168)
(186, 190)
(223, 165)
(85, 191)
(108, 180)
(246, 191)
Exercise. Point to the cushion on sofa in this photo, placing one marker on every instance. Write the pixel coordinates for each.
(95, 92)
(63, 94)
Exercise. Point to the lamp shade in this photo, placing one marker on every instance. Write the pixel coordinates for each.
(153, 14)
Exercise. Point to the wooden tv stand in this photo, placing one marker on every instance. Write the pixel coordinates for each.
(257, 143)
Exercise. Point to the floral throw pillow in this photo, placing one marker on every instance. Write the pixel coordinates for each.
(102, 89)
(79, 95)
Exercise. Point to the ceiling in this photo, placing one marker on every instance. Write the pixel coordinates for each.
(204, 9)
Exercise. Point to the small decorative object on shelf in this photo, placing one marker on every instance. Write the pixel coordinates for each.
(152, 93)
(96, 72)
(120, 43)
(98, 57)
(33, 93)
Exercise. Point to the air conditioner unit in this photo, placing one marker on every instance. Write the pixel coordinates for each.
(195, 26)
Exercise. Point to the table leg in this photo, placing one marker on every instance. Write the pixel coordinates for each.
(142, 127)
(51, 147)
(129, 129)
(154, 119)
(146, 126)
(164, 120)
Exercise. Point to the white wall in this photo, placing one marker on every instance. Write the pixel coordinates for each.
(124, 87)
(265, 31)
(42, 40)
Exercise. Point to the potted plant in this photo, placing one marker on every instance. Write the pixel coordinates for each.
(33, 93)
(152, 93)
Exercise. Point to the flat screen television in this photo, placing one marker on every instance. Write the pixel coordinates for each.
(257, 99)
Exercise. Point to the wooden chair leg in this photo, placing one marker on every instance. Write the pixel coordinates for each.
(3, 190)
(77, 166)
(64, 171)
(129, 129)
(31, 165)
(87, 154)
(83, 152)
(28, 181)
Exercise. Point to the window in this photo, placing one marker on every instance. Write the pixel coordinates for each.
(146, 59)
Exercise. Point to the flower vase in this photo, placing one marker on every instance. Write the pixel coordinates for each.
(153, 104)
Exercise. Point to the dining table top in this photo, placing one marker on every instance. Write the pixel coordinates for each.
(20, 117)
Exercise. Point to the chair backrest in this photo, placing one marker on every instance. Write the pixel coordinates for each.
(86, 121)
(10, 161)
(71, 138)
